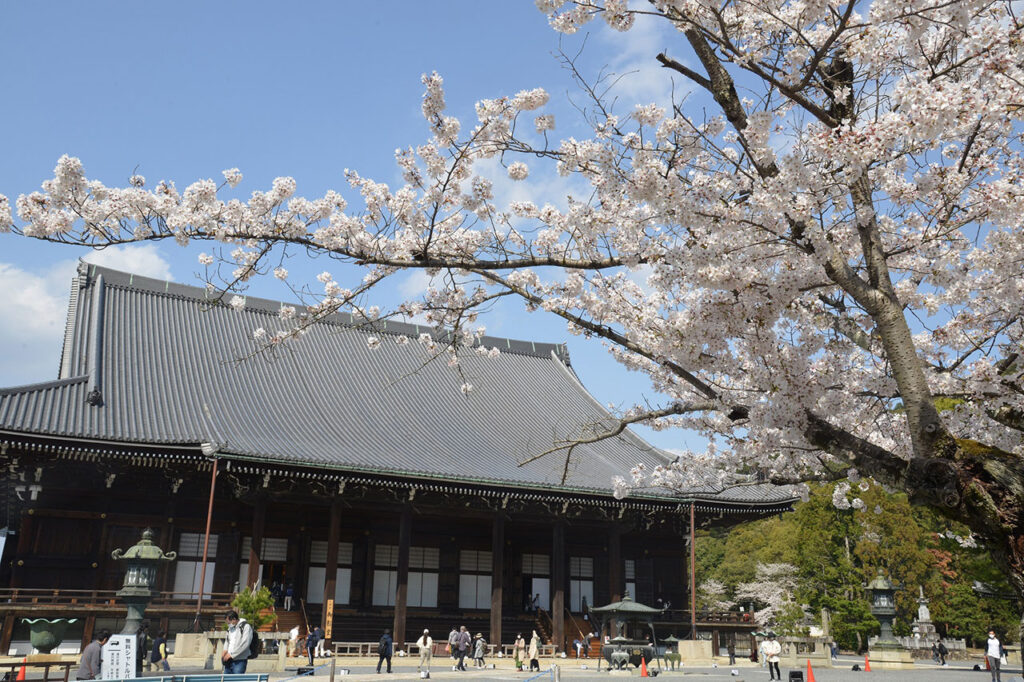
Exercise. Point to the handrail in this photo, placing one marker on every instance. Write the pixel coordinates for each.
(44, 596)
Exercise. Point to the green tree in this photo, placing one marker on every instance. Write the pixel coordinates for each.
(254, 606)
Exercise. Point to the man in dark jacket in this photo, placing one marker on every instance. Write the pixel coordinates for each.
(311, 640)
(384, 649)
(92, 657)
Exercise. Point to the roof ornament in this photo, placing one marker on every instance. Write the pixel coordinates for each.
(95, 398)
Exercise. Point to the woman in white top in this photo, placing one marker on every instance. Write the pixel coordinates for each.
(994, 652)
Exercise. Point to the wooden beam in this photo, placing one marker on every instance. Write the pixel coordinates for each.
(497, 577)
(402, 589)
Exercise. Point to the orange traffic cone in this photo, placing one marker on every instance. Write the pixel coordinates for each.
(810, 671)
(21, 672)
(643, 667)
(867, 664)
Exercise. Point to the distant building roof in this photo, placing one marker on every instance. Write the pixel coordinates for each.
(168, 365)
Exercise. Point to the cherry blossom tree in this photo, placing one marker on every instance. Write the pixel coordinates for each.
(820, 271)
(773, 592)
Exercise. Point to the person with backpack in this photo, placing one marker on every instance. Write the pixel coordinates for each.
(384, 649)
(943, 651)
(158, 657)
(239, 645)
(311, 640)
(479, 648)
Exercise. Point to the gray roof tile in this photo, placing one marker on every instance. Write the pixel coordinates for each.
(174, 371)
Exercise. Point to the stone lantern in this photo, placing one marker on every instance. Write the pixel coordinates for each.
(141, 561)
(883, 607)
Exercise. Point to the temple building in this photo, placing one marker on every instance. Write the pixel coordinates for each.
(359, 476)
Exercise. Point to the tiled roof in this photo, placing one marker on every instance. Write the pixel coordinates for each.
(174, 367)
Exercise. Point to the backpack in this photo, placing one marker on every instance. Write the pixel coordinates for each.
(942, 649)
(382, 646)
(255, 644)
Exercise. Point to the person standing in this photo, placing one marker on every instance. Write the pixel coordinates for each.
(289, 596)
(519, 650)
(385, 649)
(534, 652)
(92, 657)
(463, 647)
(236, 647)
(158, 657)
(479, 647)
(142, 644)
(426, 646)
(994, 652)
(311, 641)
(772, 649)
(731, 649)
(321, 640)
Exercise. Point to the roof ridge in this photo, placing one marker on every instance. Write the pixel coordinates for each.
(141, 283)
(43, 385)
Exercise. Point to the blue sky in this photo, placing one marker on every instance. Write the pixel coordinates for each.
(182, 91)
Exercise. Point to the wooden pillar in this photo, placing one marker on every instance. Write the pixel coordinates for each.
(331, 567)
(90, 627)
(368, 563)
(259, 522)
(497, 577)
(402, 589)
(693, 573)
(8, 632)
(558, 585)
(24, 549)
(616, 572)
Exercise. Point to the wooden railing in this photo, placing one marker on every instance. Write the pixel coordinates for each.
(19, 596)
(30, 668)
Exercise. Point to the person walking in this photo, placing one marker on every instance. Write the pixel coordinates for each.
(534, 652)
(731, 649)
(453, 646)
(942, 653)
(772, 650)
(519, 650)
(158, 656)
(479, 648)
(289, 596)
(462, 644)
(92, 657)
(994, 653)
(426, 646)
(236, 646)
(385, 647)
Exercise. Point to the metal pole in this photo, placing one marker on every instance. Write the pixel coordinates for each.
(693, 578)
(206, 546)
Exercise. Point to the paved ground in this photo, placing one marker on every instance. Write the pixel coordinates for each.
(405, 669)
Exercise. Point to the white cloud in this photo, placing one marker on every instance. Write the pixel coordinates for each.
(144, 259)
(643, 80)
(33, 309)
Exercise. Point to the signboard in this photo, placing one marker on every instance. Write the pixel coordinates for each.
(118, 658)
(328, 618)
